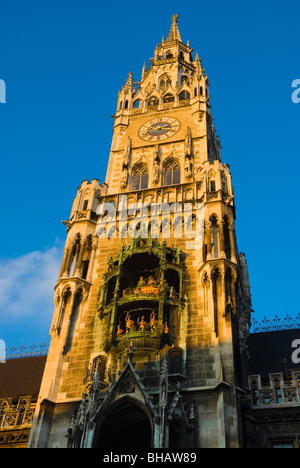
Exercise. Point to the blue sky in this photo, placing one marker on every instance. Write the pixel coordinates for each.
(64, 62)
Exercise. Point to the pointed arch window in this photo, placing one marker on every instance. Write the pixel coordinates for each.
(226, 234)
(172, 173)
(168, 98)
(215, 236)
(140, 178)
(217, 294)
(71, 268)
(165, 81)
(175, 361)
(184, 79)
(153, 102)
(65, 302)
(184, 95)
(73, 321)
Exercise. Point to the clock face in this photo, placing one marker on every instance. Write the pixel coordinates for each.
(159, 129)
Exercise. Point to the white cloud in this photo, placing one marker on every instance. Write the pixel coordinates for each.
(27, 286)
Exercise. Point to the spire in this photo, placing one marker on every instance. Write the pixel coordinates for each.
(174, 33)
(129, 83)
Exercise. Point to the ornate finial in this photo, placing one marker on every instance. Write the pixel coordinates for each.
(129, 82)
(174, 33)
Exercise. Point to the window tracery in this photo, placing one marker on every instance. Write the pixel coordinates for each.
(140, 177)
(172, 173)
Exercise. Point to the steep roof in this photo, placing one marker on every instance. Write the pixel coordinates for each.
(268, 350)
(174, 33)
(21, 377)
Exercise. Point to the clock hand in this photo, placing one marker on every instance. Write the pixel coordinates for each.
(161, 127)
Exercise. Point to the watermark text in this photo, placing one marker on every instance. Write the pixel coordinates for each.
(296, 93)
(2, 352)
(2, 92)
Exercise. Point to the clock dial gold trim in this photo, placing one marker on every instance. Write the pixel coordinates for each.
(159, 129)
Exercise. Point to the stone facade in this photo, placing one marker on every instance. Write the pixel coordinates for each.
(152, 304)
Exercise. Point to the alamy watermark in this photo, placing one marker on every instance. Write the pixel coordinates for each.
(296, 93)
(2, 92)
(141, 220)
(2, 352)
(296, 353)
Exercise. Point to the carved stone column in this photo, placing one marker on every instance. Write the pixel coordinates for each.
(68, 260)
(208, 241)
(232, 243)
(66, 253)
(221, 239)
(79, 259)
(92, 261)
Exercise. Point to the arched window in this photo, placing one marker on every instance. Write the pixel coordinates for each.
(184, 79)
(217, 294)
(212, 186)
(215, 236)
(65, 302)
(73, 320)
(126, 104)
(165, 81)
(184, 95)
(140, 178)
(206, 286)
(172, 173)
(195, 92)
(136, 104)
(168, 98)
(175, 361)
(226, 238)
(178, 225)
(99, 363)
(154, 101)
(74, 256)
(165, 228)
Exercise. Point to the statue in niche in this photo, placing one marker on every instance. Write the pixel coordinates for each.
(156, 172)
(166, 328)
(188, 167)
(124, 177)
(153, 321)
(142, 324)
(188, 154)
(142, 282)
(151, 281)
(172, 292)
(188, 144)
(156, 163)
(125, 164)
(126, 160)
(129, 323)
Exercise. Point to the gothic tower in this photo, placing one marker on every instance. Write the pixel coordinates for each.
(152, 304)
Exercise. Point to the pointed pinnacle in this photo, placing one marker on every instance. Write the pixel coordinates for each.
(174, 31)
